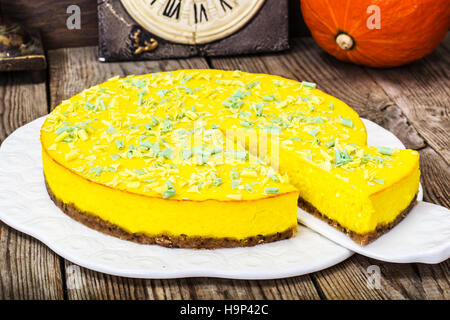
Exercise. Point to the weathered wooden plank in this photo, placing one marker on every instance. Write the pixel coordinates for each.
(422, 91)
(28, 269)
(281, 289)
(355, 86)
(353, 280)
(435, 279)
(72, 70)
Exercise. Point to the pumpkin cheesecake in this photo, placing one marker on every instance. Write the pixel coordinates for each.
(212, 158)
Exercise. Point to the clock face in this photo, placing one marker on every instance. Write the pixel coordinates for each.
(192, 21)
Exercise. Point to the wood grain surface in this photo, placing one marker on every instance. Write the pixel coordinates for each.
(28, 269)
(411, 101)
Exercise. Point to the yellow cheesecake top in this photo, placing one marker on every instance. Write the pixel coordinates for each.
(176, 135)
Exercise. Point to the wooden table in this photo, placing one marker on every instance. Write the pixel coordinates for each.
(412, 101)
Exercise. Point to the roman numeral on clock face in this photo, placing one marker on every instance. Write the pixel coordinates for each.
(172, 9)
(225, 5)
(200, 13)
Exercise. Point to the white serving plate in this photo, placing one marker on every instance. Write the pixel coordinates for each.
(26, 206)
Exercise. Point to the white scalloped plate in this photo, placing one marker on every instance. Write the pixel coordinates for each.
(423, 236)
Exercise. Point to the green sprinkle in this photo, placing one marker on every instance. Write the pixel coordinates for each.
(342, 158)
(273, 177)
(237, 95)
(227, 104)
(253, 84)
(170, 192)
(154, 122)
(246, 124)
(258, 109)
(235, 184)
(317, 120)
(313, 132)
(217, 182)
(386, 151)
(164, 100)
(102, 104)
(310, 85)
(379, 181)
(155, 147)
(89, 105)
(130, 151)
(186, 79)
(378, 160)
(146, 145)
(241, 155)
(330, 144)
(187, 89)
(347, 122)
(167, 126)
(139, 171)
(119, 144)
(269, 98)
(163, 92)
(295, 138)
(114, 156)
(271, 190)
(138, 83)
(166, 153)
(141, 98)
(331, 106)
(97, 171)
(63, 129)
(249, 188)
(111, 130)
(185, 154)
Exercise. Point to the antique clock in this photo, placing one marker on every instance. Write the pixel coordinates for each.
(155, 29)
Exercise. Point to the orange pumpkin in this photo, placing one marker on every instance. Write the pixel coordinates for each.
(377, 33)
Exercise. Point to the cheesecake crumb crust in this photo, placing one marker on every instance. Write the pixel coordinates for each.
(182, 241)
(361, 239)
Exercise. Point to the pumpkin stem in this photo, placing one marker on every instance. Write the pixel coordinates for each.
(345, 41)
